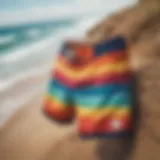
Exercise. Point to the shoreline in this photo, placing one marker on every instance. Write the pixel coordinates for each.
(29, 134)
(21, 93)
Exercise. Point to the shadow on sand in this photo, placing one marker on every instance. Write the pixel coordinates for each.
(121, 149)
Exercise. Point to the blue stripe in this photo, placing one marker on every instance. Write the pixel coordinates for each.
(93, 90)
(102, 96)
(118, 100)
(63, 94)
(110, 45)
(60, 94)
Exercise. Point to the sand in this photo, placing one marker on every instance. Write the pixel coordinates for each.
(29, 135)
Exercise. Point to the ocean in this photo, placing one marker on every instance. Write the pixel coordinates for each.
(16, 40)
(28, 51)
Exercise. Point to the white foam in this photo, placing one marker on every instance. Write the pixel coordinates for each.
(7, 84)
(33, 33)
(5, 39)
(25, 51)
(9, 107)
(76, 31)
(47, 45)
(31, 49)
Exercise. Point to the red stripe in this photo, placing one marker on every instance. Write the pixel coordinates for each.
(108, 57)
(88, 126)
(105, 79)
(58, 114)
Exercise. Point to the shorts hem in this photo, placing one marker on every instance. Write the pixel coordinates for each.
(105, 135)
(56, 119)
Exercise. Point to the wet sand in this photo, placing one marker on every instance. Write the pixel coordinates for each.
(14, 97)
(29, 135)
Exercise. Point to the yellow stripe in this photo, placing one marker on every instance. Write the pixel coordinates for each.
(99, 113)
(92, 70)
(55, 103)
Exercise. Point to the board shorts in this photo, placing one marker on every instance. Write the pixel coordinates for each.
(93, 85)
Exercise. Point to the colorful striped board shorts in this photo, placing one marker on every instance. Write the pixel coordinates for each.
(93, 84)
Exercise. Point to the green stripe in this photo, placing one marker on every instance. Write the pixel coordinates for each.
(118, 100)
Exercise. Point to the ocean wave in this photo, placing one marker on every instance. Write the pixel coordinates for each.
(7, 84)
(6, 39)
(33, 48)
(20, 53)
(75, 31)
(47, 46)
(33, 33)
(50, 44)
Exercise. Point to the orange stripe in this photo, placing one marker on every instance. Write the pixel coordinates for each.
(106, 58)
(54, 103)
(97, 70)
(111, 112)
(59, 114)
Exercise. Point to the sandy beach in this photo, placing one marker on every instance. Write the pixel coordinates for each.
(29, 135)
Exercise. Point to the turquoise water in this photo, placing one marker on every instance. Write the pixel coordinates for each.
(12, 37)
(14, 40)
(24, 48)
